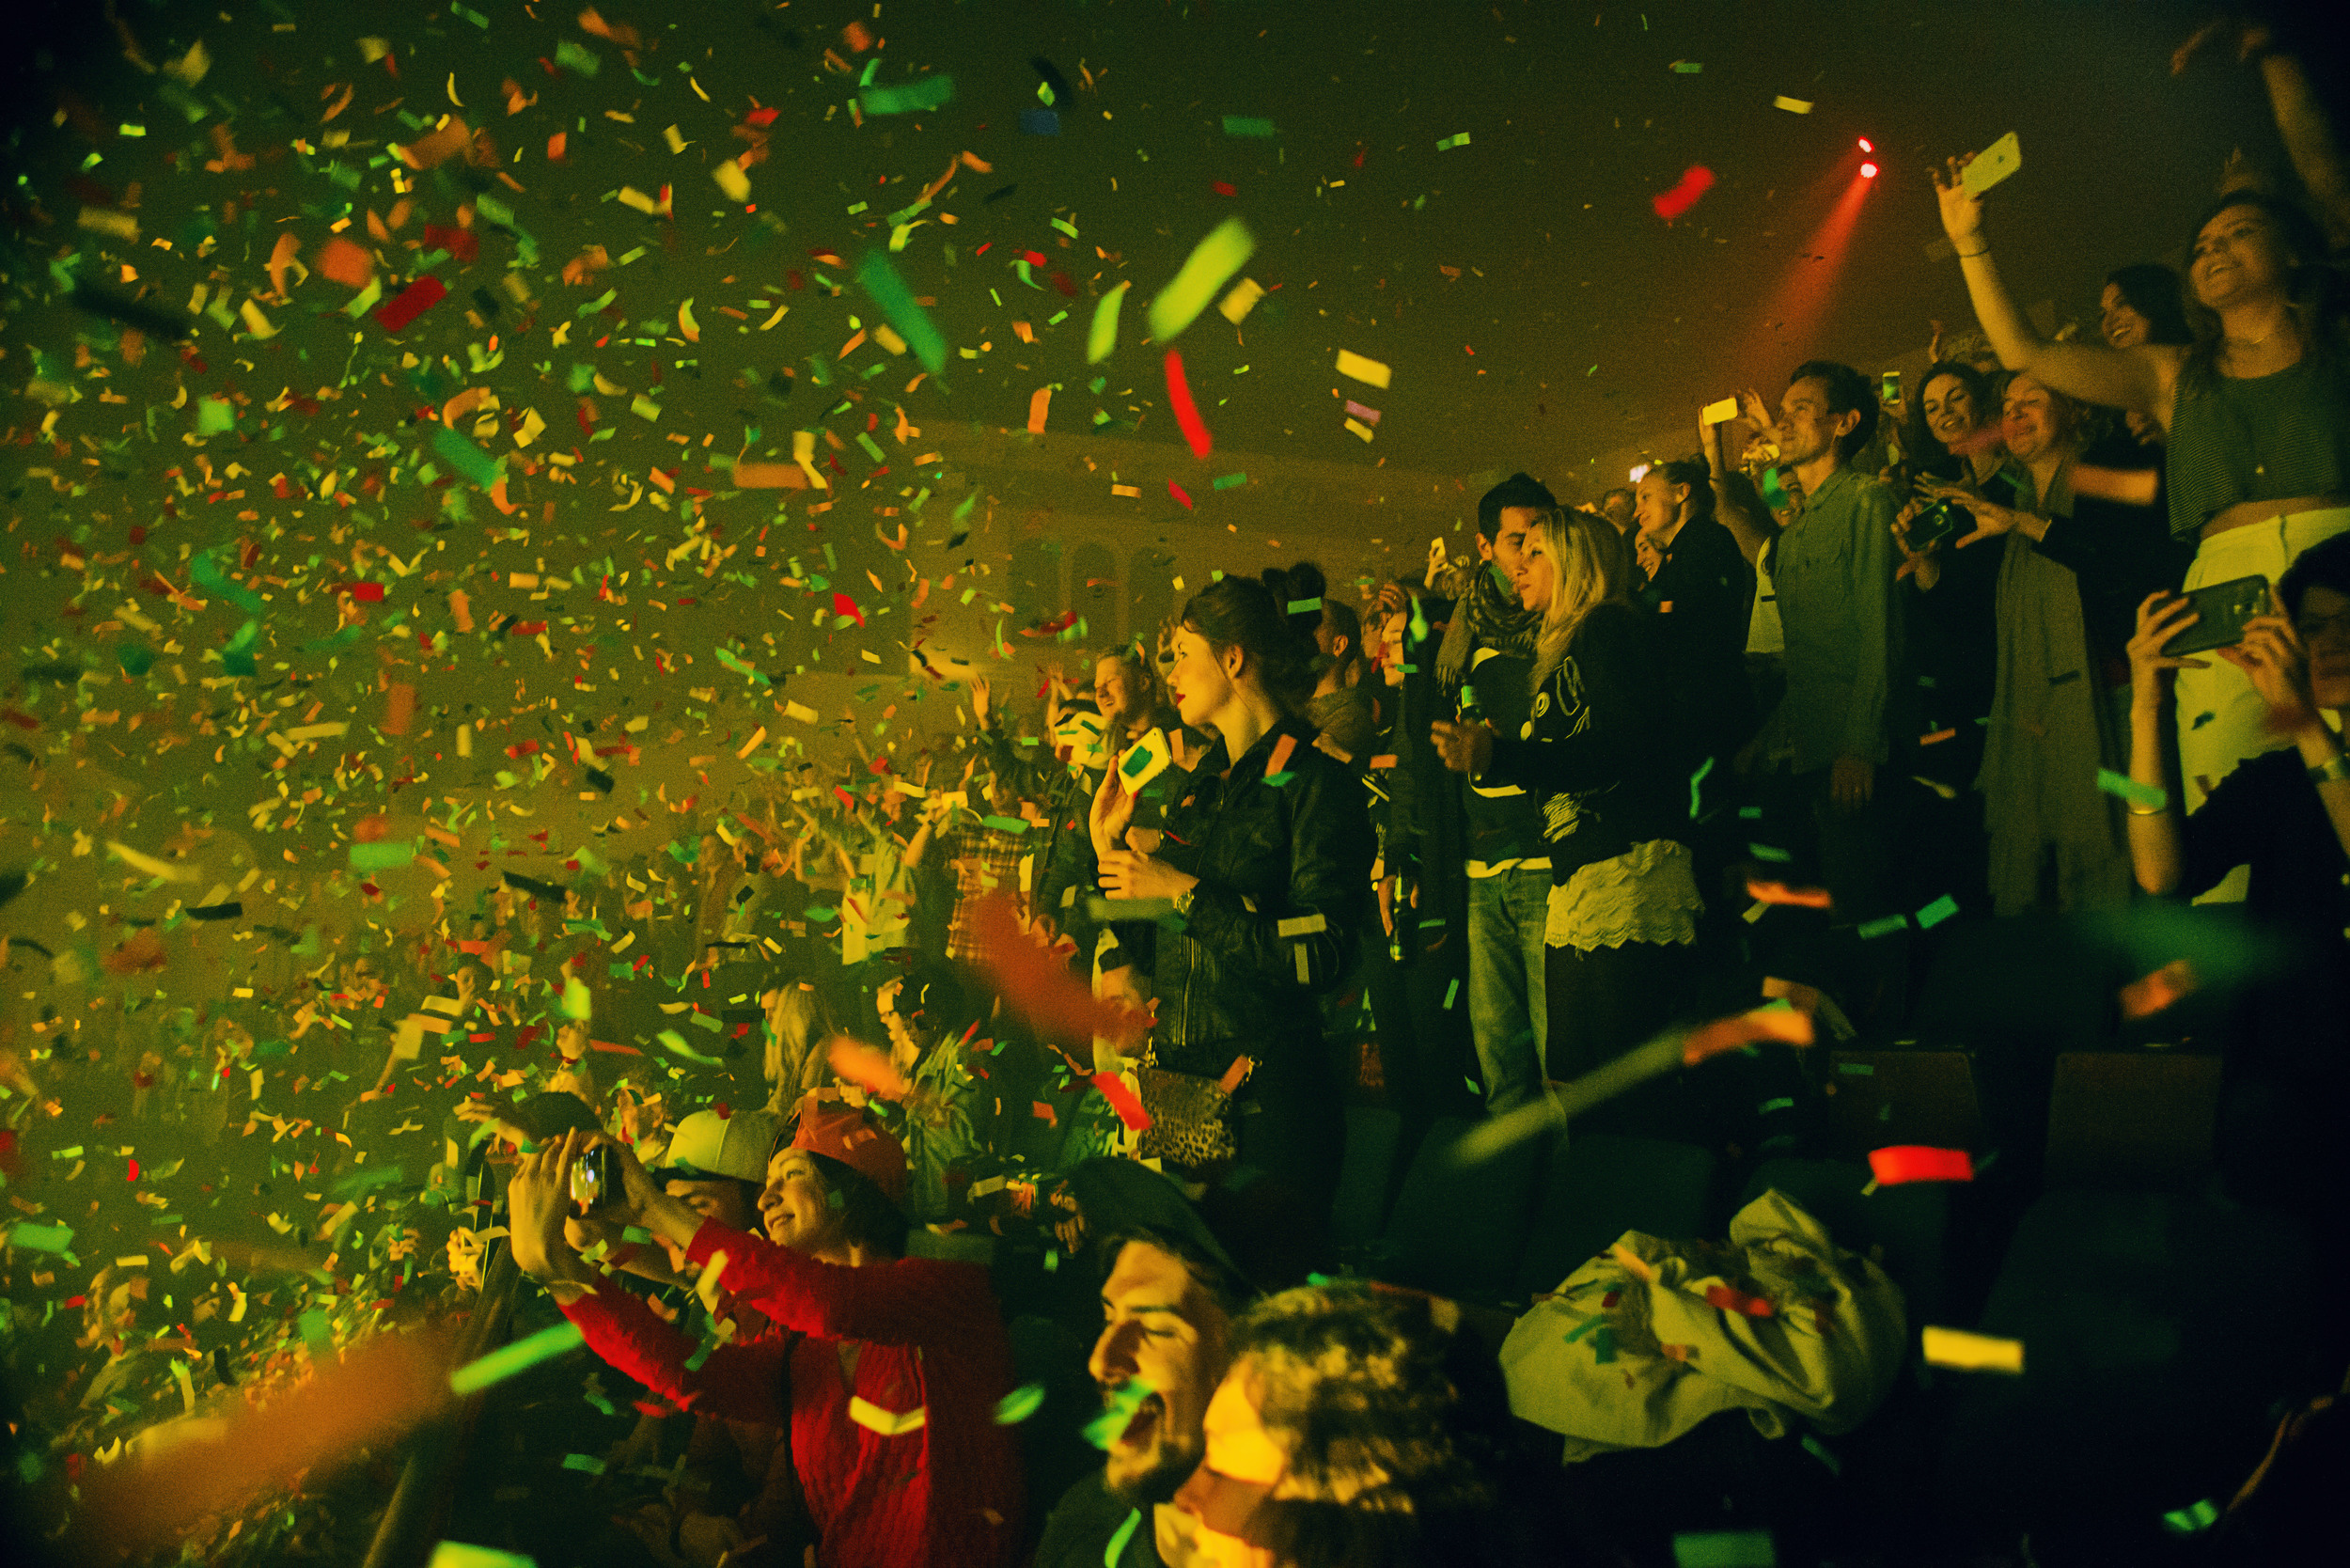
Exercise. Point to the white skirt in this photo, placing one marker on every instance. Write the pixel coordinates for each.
(1647, 894)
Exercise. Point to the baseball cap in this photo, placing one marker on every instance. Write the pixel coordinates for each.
(707, 1146)
(849, 1135)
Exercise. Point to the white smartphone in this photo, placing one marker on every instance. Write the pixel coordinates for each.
(1992, 164)
(1144, 761)
(1721, 413)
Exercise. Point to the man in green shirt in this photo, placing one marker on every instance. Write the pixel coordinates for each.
(1823, 752)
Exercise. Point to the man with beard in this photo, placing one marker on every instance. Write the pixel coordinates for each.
(1170, 1302)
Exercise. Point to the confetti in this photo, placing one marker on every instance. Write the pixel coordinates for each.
(1963, 1351)
(516, 1358)
(1209, 266)
(1186, 412)
(1919, 1163)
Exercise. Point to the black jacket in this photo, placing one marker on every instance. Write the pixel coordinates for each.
(1264, 853)
(1603, 746)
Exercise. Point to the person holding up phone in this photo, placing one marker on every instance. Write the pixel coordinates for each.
(2286, 815)
(2257, 409)
(890, 1367)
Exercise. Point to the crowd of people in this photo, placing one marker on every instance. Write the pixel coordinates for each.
(2058, 630)
(1861, 672)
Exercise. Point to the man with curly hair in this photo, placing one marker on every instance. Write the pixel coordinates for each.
(1351, 1430)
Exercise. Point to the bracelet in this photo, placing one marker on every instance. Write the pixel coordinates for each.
(1984, 251)
(2333, 770)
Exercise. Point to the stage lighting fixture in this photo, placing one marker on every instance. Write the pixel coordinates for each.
(1868, 171)
(1867, 145)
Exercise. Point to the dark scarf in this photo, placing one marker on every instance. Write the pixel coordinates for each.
(1487, 616)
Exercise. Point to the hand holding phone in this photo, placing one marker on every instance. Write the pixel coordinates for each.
(2221, 612)
(595, 1178)
(1992, 164)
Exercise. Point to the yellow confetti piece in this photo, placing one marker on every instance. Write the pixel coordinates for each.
(1961, 1350)
(1358, 428)
(1212, 261)
(255, 321)
(1363, 369)
(752, 744)
(799, 711)
(677, 142)
(732, 180)
(152, 866)
(1241, 301)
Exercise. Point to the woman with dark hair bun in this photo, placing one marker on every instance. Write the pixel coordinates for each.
(1264, 864)
(2142, 303)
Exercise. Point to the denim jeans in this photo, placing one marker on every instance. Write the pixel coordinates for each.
(1508, 913)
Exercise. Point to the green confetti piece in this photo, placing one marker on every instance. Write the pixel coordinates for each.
(1769, 1105)
(2190, 1521)
(1686, 67)
(1019, 1405)
(1473, 1088)
(42, 1238)
(318, 1330)
(459, 1554)
(1299, 606)
(520, 1357)
(2153, 797)
(381, 856)
(1124, 1533)
(1448, 143)
(204, 570)
(1771, 853)
(1102, 337)
(1697, 779)
(1006, 825)
(587, 1461)
(574, 55)
(676, 1043)
(1117, 1410)
(1209, 266)
(1857, 1069)
(878, 279)
(872, 447)
(1935, 912)
(1818, 1450)
(465, 455)
(1886, 927)
(1604, 1346)
(1243, 125)
(215, 416)
(1725, 1549)
(932, 92)
(1451, 992)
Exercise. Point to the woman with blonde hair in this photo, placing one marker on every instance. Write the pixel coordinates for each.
(1598, 751)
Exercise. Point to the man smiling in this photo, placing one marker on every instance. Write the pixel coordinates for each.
(1169, 1305)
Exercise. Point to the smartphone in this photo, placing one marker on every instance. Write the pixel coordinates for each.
(1721, 413)
(1889, 388)
(1992, 164)
(595, 1177)
(1144, 761)
(2222, 611)
(1938, 523)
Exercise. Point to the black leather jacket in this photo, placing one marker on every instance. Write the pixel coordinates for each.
(1231, 983)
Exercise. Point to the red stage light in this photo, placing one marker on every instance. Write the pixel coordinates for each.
(1867, 145)
(1868, 171)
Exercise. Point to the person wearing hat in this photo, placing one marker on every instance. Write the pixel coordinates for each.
(715, 1163)
(890, 1369)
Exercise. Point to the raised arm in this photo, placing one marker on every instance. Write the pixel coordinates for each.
(1736, 502)
(2138, 378)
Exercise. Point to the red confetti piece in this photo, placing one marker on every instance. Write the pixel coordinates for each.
(1223, 189)
(367, 593)
(1038, 986)
(1123, 1101)
(1779, 892)
(1177, 490)
(410, 303)
(843, 605)
(1695, 183)
(1783, 1025)
(1728, 1299)
(463, 243)
(1917, 1161)
(1186, 412)
(2172, 983)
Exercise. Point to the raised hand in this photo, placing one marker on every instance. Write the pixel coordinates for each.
(1111, 813)
(2273, 658)
(2161, 617)
(1962, 209)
